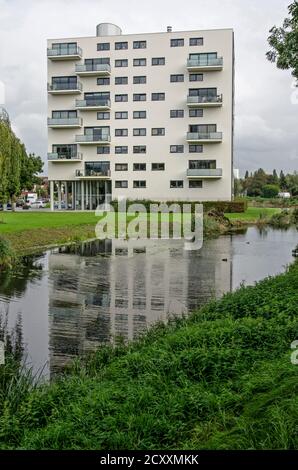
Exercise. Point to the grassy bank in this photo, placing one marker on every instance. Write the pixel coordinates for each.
(220, 379)
(253, 215)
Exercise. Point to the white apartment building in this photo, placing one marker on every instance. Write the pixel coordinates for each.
(144, 116)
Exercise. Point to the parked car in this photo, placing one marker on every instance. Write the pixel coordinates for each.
(39, 204)
(63, 205)
(20, 202)
(9, 207)
(25, 206)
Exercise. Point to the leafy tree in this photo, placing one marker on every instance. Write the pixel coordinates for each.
(283, 181)
(246, 175)
(283, 42)
(31, 166)
(270, 190)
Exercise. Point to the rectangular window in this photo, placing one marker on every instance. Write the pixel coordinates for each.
(203, 128)
(196, 41)
(139, 167)
(121, 184)
(103, 46)
(204, 58)
(177, 42)
(121, 132)
(103, 150)
(196, 77)
(202, 164)
(139, 62)
(139, 97)
(65, 83)
(177, 78)
(195, 149)
(139, 131)
(195, 184)
(121, 149)
(139, 184)
(66, 151)
(137, 79)
(121, 45)
(198, 112)
(121, 166)
(177, 113)
(158, 131)
(176, 148)
(157, 166)
(158, 61)
(122, 98)
(139, 114)
(158, 96)
(139, 44)
(203, 92)
(121, 115)
(121, 80)
(64, 114)
(176, 184)
(97, 168)
(103, 115)
(139, 149)
(103, 81)
(121, 63)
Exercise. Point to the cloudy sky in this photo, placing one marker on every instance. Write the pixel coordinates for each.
(266, 114)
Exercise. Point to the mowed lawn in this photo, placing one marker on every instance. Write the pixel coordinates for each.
(253, 214)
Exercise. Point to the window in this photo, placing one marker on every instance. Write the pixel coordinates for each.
(64, 114)
(121, 184)
(177, 148)
(103, 115)
(177, 78)
(196, 77)
(203, 92)
(203, 128)
(157, 166)
(139, 167)
(97, 168)
(139, 44)
(65, 83)
(121, 63)
(195, 149)
(66, 151)
(121, 132)
(202, 164)
(103, 81)
(121, 45)
(177, 42)
(195, 184)
(103, 46)
(103, 149)
(121, 166)
(158, 96)
(177, 113)
(139, 184)
(139, 79)
(65, 48)
(196, 112)
(121, 149)
(176, 184)
(121, 80)
(97, 98)
(139, 131)
(204, 58)
(121, 115)
(158, 131)
(139, 97)
(196, 41)
(139, 114)
(139, 149)
(158, 61)
(139, 62)
(122, 98)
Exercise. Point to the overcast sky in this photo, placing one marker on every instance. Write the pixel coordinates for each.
(266, 114)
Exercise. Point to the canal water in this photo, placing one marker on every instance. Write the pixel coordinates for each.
(68, 301)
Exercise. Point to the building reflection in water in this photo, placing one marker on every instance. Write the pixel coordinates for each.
(102, 290)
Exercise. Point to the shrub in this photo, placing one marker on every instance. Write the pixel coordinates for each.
(270, 190)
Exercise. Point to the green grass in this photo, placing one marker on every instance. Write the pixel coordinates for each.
(253, 214)
(220, 379)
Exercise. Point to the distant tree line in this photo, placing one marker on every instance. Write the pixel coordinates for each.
(262, 184)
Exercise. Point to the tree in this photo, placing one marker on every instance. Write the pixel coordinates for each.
(283, 181)
(246, 175)
(270, 190)
(283, 42)
(31, 166)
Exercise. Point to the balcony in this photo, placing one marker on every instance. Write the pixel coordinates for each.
(203, 173)
(91, 139)
(92, 174)
(204, 101)
(93, 69)
(65, 53)
(198, 137)
(56, 157)
(198, 65)
(93, 105)
(65, 123)
(65, 88)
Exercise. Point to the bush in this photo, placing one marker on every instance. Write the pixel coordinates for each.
(7, 254)
(270, 190)
(220, 206)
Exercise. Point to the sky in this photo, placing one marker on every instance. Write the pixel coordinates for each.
(266, 102)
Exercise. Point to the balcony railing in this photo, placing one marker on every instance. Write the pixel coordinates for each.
(65, 52)
(206, 137)
(100, 103)
(65, 122)
(204, 100)
(204, 173)
(93, 138)
(215, 63)
(93, 173)
(93, 69)
(58, 156)
(65, 87)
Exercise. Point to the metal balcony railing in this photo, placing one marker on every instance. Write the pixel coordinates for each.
(201, 173)
(85, 68)
(204, 99)
(93, 103)
(65, 86)
(204, 136)
(85, 138)
(75, 51)
(59, 156)
(65, 122)
(205, 62)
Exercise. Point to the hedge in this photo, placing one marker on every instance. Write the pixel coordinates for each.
(222, 206)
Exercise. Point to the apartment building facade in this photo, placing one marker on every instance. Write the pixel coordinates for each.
(141, 116)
